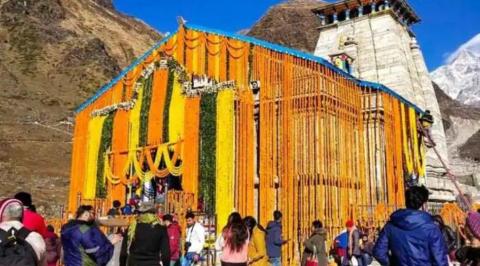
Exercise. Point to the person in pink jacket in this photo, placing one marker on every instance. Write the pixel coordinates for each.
(31, 220)
(233, 242)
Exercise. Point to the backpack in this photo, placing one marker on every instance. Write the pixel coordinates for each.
(15, 250)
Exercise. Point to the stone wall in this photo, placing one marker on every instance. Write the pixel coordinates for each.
(385, 51)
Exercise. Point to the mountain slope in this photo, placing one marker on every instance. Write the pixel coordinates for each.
(460, 77)
(53, 55)
(458, 92)
(292, 24)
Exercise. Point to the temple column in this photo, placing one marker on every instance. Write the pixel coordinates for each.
(347, 14)
(335, 18)
(360, 11)
(374, 8)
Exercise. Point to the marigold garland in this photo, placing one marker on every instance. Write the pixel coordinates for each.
(225, 155)
(94, 136)
(134, 137)
(155, 118)
(168, 100)
(177, 107)
(191, 143)
(406, 147)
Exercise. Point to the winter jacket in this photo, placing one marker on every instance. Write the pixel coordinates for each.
(274, 239)
(316, 242)
(34, 239)
(84, 244)
(149, 246)
(257, 248)
(34, 222)
(355, 242)
(341, 243)
(413, 240)
(174, 238)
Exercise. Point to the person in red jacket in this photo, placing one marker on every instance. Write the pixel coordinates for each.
(31, 220)
(174, 235)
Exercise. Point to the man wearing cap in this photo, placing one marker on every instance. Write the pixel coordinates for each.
(31, 220)
(11, 212)
(411, 238)
(146, 242)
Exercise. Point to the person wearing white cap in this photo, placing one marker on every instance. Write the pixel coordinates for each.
(13, 235)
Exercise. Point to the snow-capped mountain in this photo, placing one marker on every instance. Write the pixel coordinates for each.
(460, 76)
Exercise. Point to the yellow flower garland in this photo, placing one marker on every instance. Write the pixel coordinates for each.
(417, 150)
(174, 170)
(134, 132)
(406, 146)
(95, 126)
(225, 156)
(176, 109)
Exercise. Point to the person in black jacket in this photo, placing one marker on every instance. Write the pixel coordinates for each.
(146, 242)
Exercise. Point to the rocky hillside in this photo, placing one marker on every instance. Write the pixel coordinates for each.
(291, 23)
(53, 55)
(462, 127)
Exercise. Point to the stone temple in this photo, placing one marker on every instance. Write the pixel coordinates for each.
(373, 40)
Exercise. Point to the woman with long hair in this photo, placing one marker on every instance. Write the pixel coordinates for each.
(257, 248)
(233, 242)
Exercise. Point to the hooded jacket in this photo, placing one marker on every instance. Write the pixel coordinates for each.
(34, 222)
(413, 240)
(174, 238)
(274, 239)
(316, 242)
(84, 244)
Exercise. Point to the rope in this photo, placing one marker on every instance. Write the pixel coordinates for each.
(451, 176)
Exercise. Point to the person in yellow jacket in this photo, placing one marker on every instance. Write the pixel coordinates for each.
(257, 248)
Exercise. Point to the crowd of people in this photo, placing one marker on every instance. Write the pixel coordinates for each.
(410, 237)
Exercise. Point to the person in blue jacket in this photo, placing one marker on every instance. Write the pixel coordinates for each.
(274, 239)
(83, 242)
(411, 238)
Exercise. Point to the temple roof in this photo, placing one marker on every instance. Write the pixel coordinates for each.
(254, 41)
(400, 6)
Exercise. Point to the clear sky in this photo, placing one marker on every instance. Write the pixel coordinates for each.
(446, 24)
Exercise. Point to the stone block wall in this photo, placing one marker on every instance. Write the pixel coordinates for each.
(385, 51)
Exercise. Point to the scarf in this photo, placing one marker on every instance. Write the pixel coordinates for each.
(145, 218)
